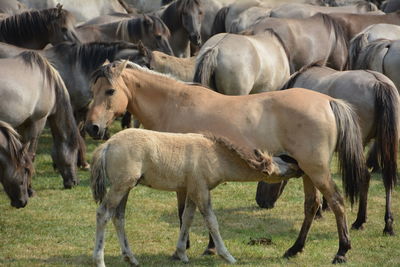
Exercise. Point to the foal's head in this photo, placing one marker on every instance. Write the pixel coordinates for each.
(15, 166)
(191, 12)
(109, 99)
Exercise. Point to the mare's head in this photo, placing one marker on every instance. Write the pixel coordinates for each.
(109, 98)
(191, 12)
(155, 34)
(15, 166)
(61, 25)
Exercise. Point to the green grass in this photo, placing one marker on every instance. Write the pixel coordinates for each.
(57, 227)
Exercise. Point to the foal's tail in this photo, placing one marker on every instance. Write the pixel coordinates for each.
(350, 149)
(99, 173)
(205, 67)
(387, 136)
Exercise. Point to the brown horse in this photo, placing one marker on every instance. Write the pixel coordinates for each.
(376, 101)
(33, 93)
(137, 156)
(36, 29)
(149, 29)
(183, 18)
(15, 166)
(299, 123)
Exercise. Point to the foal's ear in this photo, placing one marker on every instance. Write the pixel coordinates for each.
(59, 8)
(120, 68)
(106, 62)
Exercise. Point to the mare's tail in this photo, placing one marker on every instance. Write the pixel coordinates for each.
(350, 149)
(387, 136)
(205, 67)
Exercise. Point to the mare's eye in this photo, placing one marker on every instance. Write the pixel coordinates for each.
(110, 91)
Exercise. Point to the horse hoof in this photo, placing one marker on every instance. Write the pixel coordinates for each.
(389, 232)
(357, 226)
(210, 252)
(31, 192)
(339, 259)
(290, 253)
(182, 258)
(133, 263)
(70, 184)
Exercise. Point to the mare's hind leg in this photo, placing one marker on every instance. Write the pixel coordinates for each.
(388, 213)
(186, 222)
(311, 204)
(119, 224)
(362, 205)
(203, 202)
(336, 203)
(105, 211)
(372, 158)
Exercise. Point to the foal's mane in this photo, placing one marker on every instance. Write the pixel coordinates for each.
(255, 159)
(14, 143)
(185, 5)
(30, 24)
(91, 55)
(54, 80)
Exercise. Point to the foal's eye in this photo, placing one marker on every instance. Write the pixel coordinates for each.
(110, 91)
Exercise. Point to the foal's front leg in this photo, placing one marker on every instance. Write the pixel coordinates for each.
(119, 224)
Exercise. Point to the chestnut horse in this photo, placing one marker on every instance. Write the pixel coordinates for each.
(15, 166)
(305, 125)
(376, 101)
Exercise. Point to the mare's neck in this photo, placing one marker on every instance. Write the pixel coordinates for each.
(152, 96)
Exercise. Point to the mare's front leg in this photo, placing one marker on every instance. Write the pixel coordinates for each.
(202, 199)
(311, 204)
(105, 211)
(119, 224)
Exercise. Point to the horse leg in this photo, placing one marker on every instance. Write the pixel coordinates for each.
(119, 224)
(187, 219)
(311, 204)
(362, 205)
(372, 158)
(388, 213)
(104, 213)
(203, 201)
(126, 120)
(181, 197)
(336, 203)
(322, 208)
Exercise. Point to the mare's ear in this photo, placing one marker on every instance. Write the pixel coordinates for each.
(120, 68)
(142, 49)
(106, 62)
(147, 20)
(59, 9)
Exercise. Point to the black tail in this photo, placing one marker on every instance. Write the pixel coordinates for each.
(387, 136)
(350, 149)
(219, 21)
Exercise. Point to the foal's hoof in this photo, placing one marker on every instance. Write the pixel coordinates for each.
(31, 192)
(132, 263)
(339, 259)
(210, 252)
(291, 253)
(182, 258)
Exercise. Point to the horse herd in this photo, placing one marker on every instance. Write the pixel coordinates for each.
(219, 89)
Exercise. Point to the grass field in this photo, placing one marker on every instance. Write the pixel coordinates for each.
(57, 227)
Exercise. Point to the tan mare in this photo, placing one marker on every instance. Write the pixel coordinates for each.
(305, 125)
(160, 161)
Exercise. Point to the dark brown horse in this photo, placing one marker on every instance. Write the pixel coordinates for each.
(36, 29)
(33, 93)
(15, 166)
(376, 101)
(183, 18)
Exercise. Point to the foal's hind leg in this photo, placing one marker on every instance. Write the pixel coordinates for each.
(311, 204)
(186, 222)
(203, 201)
(105, 211)
(119, 223)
